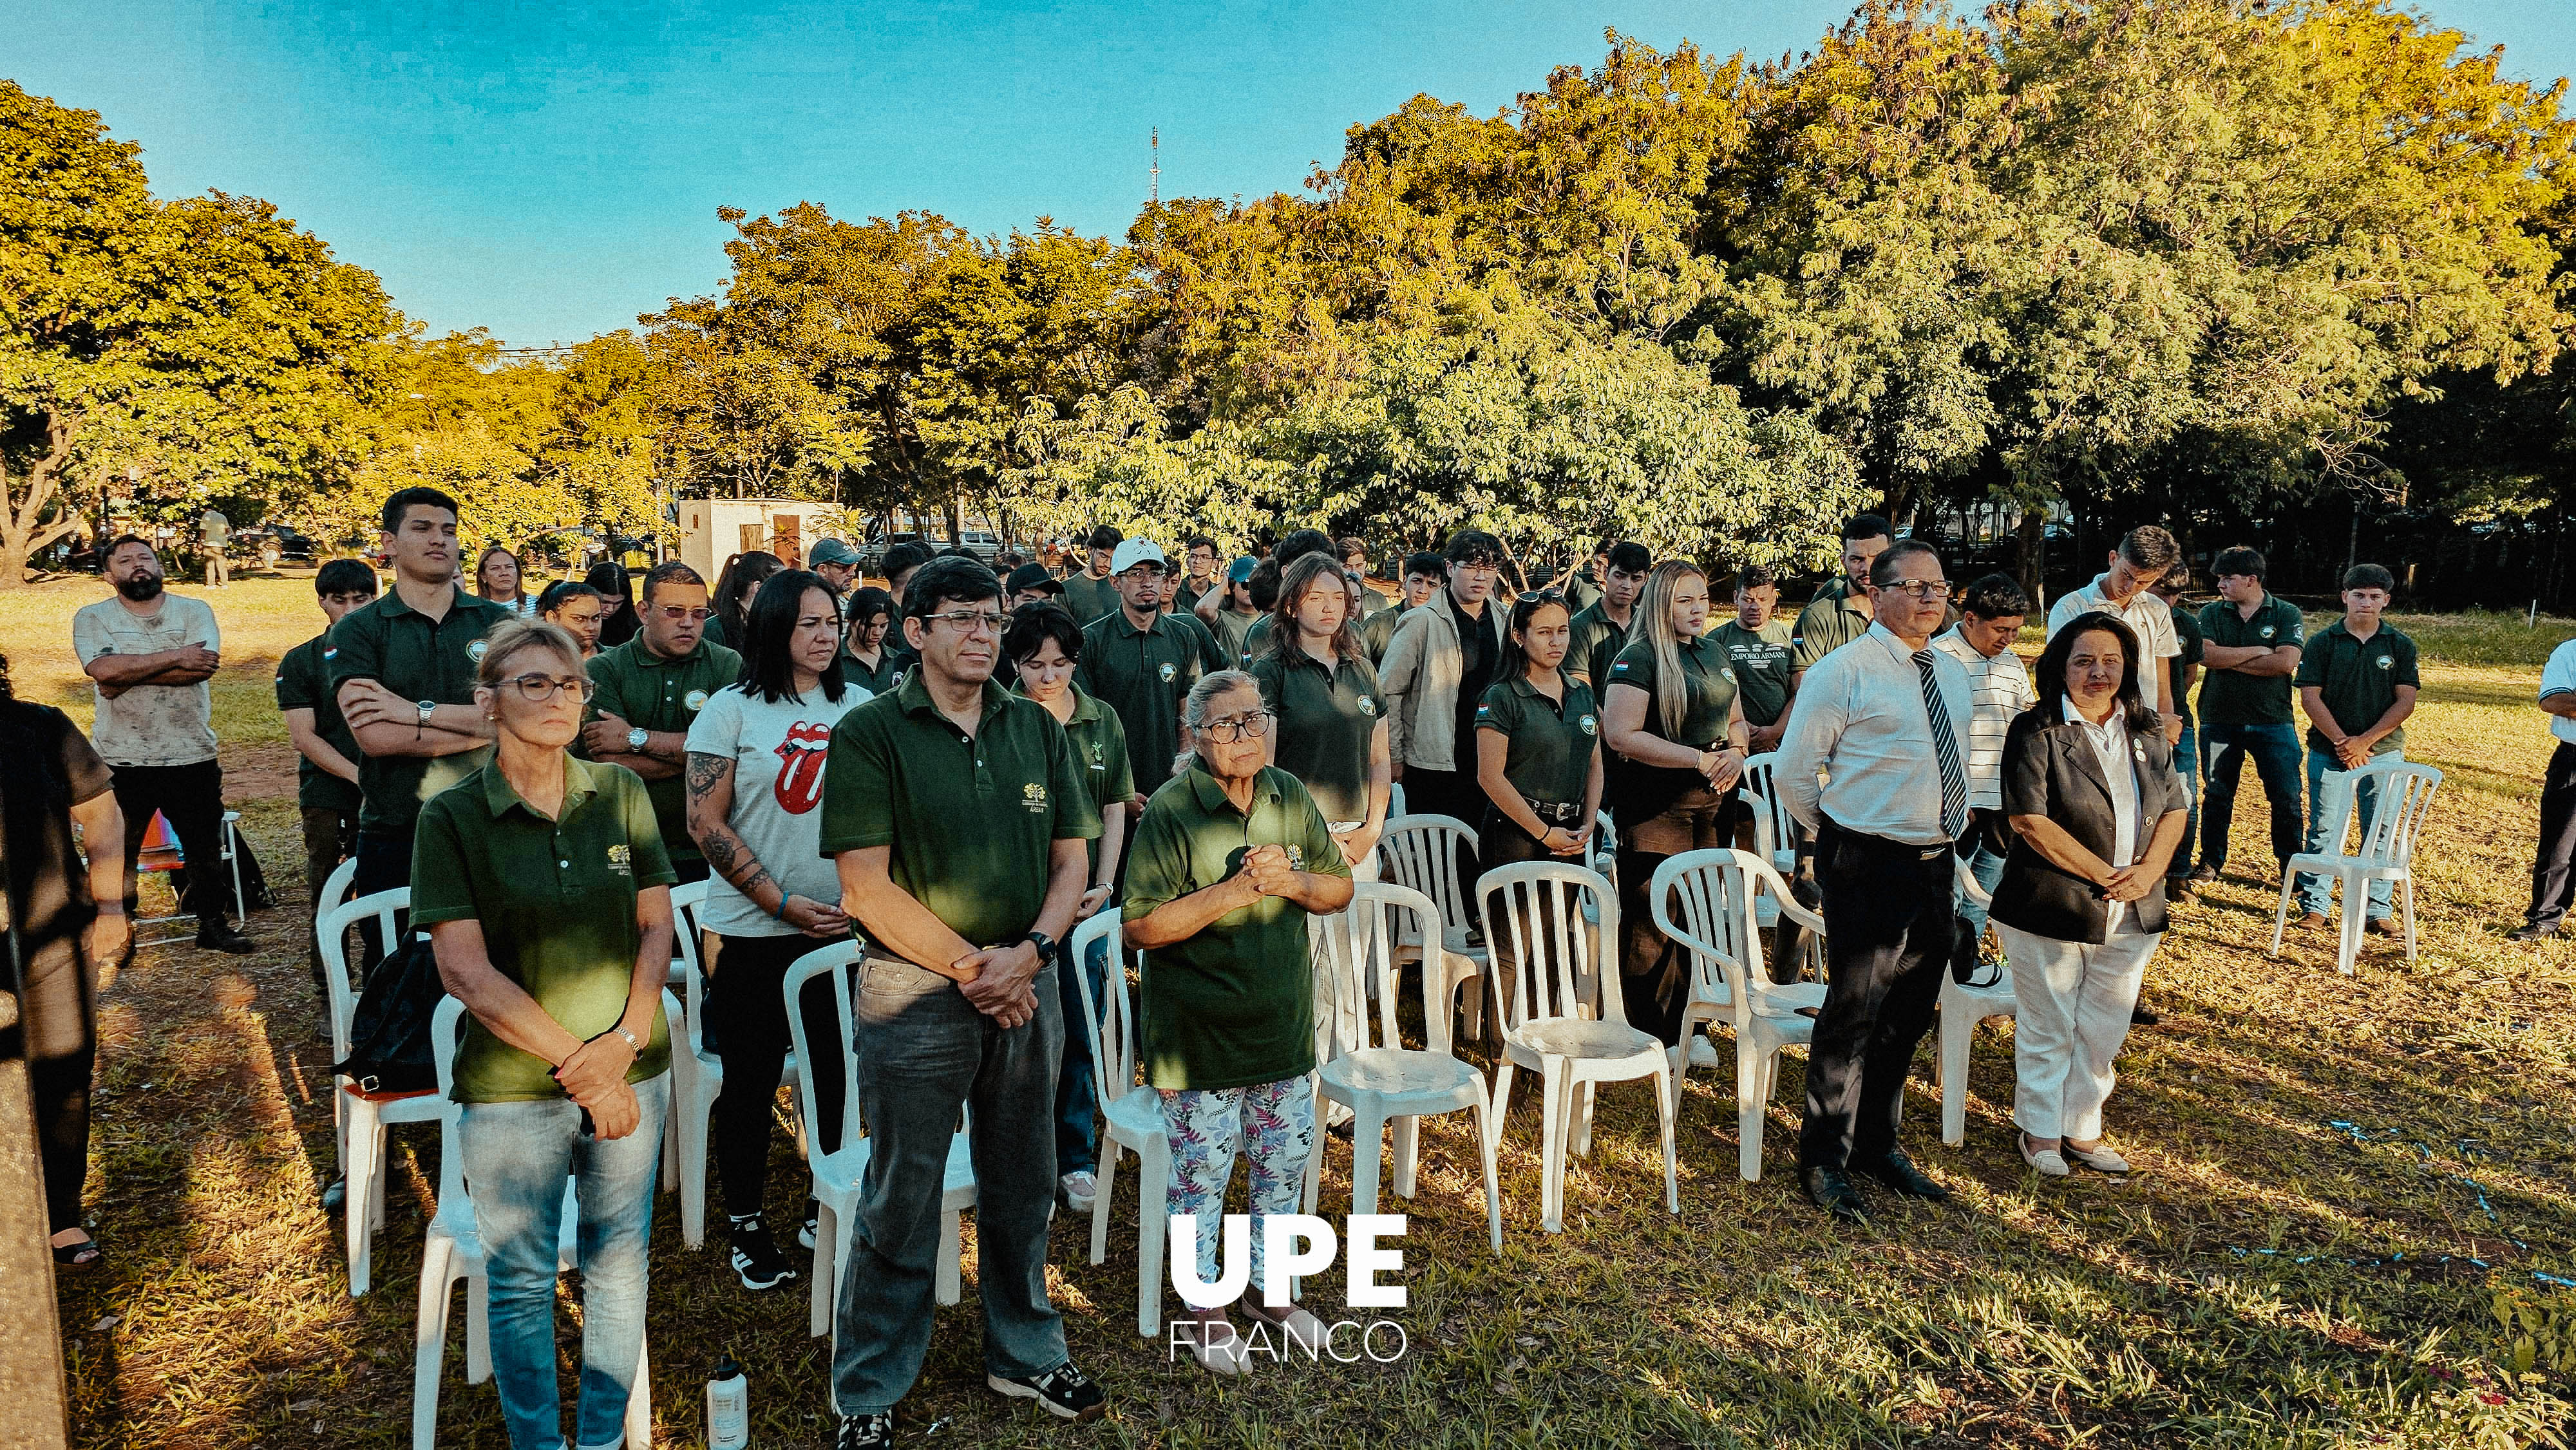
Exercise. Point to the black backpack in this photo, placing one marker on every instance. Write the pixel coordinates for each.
(389, 1036)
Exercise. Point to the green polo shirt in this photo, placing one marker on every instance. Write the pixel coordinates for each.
(1593, 641)
(1144, 675)
(1100, 752)
(1760, 658)
(400, 648)
(1709, 692)
(2187, 634)
(878, 681)
(2358, 679)
(1581, 589)
(1088, 598)
(2228, 697)
(1831, 620)
(1256, 641)
(1549, 745)
(1326, 719)
(972, 818)
(652, 693)
(1186, 596)
(1234, 632)
(304, 683)
(556, 901)
(1378, 631)
(1373, 600)
(1235, 1004)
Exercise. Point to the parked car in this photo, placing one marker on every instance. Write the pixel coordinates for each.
(274, 543)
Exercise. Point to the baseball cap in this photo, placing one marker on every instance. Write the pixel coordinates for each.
(836, 552)
(1034, 576)
(1134, 552)
(1240, 571)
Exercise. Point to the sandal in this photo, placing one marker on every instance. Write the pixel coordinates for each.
(82, 1255)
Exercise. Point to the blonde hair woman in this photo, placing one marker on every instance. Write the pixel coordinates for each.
(1670, 710)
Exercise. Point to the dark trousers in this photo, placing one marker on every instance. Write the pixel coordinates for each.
(59, 1023)
(747, 1028)
(1888, 932)
(2275, 749)
(2550, 877)
(1654, 974)
(1077, 1129)
(330, 837)
(192, 796)
(1443, 793)
(384, 863)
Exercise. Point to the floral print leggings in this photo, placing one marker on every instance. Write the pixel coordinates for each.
(1278, 1120)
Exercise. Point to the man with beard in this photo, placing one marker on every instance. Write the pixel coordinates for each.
(648, 692)
(150, 655)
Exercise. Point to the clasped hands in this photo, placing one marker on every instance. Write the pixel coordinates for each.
(594, 1075)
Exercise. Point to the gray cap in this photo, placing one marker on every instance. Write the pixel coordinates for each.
(836, 552)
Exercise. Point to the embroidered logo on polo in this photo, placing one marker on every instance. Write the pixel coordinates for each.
(1296, 858)
(1590, 725)
(799, 787)
(2386, 662)
(1033, 796)
(1170, 671)
(478, 649)
(621, 859)
(695, 699)
(1368, 704)
(2267, 631)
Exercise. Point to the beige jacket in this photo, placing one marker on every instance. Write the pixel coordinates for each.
(1418, 679)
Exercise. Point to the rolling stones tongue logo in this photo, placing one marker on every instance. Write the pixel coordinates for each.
(800, 772)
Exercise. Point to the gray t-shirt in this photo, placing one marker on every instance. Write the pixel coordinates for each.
(778, 753)
(150, 725)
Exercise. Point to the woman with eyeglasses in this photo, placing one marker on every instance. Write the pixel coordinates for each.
(870, 657)
(1672, 712)
(754, 778)
(543, 884)
(1231, 859)
(736, 589)
(617, 618)
(498, 577)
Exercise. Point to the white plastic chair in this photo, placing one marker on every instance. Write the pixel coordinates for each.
(1962, 1008)
(697, 1071)
(360, 1121)
(336, 888)
(2386, 852)
(1422, 853)
(453, 1251)
(1717, 892)
(1710, 1001)
(1775, 831)
(1574, 1038)
(1131, 1115)
(1375, 1075)
(838, 1167)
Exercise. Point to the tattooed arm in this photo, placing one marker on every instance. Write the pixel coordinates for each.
(710, 792)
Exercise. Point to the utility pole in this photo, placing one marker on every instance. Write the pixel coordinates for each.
(1154, 176)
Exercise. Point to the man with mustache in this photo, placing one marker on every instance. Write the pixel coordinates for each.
(149, 655)
(650, 689)
(1140, 660)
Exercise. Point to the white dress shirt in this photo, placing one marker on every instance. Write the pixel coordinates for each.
(1860, 720)
(2148, 617)
(1998, 689)
(2557, 678)
(2112, 750)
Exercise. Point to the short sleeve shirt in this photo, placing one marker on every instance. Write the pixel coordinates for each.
(556, 901)
(1761, 659)
(1088, 598)
(150, 725)
(779, 750)
(52, 769)
(2186, 626)
(1376, 632)
(2358, 680)
(419, 659)
(1327, 718)
(1100, 754)
(652, 693)
(2229, 697)
(1144, 675)
(1593, 640)
(1234, 632)
(1831, 620)
(304, 683)
(2558, 677)
(1549, 744)
(880, 680)
(972, 819)
(1709, 692)
(1235, 1004)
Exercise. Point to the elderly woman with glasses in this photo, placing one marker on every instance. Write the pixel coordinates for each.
(543, 884)
(1230, 860)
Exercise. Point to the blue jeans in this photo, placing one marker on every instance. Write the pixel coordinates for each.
(1986, 865)
(1077, 1132)
(517, 1156)
(2316, 892)
(924, 1052)
(2275, 749)
(2187, 765)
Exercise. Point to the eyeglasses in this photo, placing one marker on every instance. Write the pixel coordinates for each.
(1250, 727)
(968, 621)
(1923, 591)
(538, 689)
(675, 613)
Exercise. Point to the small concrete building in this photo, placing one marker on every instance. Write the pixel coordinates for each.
(713, 530)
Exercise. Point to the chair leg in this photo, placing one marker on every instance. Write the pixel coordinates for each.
(2281, 912)
(1958, 1030)
(1408, 1154)
(639, 1400)
(1552, 1132)
(1579, 1129)
(429, 1340)
(951, 1284)
(683, 1078)
(1493, 1189)
(379, 1179)
(827, 1270)
(1502, 1096)
(2406, 886)
(357, 1202)
(1100, 1199)
(1153, 1209)
(700, 1099)
(1368, 1162)
(1749, 1099)
(2350, 916)
(478, 1325)
(1667, 1107)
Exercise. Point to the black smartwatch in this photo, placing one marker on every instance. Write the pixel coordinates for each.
(1044, 943)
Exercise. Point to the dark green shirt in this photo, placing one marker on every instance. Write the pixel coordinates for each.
(1373, 600)
(1549, 746)
(1593, 641)
(1144, 675)
(879, 681)
(2187, 634)
(972, 819)
(400, 648)
(1100, 752)
(1326, 720)
(1582, 590)
(1709, 689)
(1234, 633)
(1186, 596)
(304, 683)
(1235, 1004)
(652, 693)
(2358, 680)
(2229, 697)
(1088, 598)
(1378, 631)
(556, 901)
(1830, 621)
(1760, 658)
(1256, 641)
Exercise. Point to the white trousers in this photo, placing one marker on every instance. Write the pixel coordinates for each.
(2073, 1015)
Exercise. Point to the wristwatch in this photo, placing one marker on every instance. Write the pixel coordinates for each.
(631, 1039)
(1044, 943)
(635, 739)
(425, 706)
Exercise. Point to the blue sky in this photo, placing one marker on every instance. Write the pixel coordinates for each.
(550, 170)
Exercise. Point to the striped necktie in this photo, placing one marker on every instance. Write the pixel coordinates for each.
(1945, 749)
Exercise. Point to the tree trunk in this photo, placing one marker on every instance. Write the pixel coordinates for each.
(23, 529)
(2032, 555)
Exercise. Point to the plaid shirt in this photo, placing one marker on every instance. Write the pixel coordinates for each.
(1999, 688)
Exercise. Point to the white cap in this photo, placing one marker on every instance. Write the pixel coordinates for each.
(1134, 552)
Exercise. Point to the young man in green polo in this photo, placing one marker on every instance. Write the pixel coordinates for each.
(1600, 628)
(1840, 612)
(649, 691)
(1758, 645)
(958, 818)
(1140, 661)
(326, 778)
(2250, 643)
(1087, 592)
(2357, 684)
(1424, 573)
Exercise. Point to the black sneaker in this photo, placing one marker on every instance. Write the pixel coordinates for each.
(865, 1432)
(1062, 1391)
(222, 938)
(813, 1223)
(756, 1260)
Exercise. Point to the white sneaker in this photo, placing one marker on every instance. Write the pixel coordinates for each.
(1080, 1188)
(1703, 1053)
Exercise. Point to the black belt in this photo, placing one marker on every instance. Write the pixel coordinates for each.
(1552, 813)
(1882, 843)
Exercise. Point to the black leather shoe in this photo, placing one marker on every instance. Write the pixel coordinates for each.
(1831, 1190)
(2532, 931)
(221, 938)
(1898, 1172)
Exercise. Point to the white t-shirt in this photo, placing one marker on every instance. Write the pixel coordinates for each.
(2148, 617)
(778, 755)
(150, 725)
(2557, 678)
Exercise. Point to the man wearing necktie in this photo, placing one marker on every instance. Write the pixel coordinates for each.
(1886, 720)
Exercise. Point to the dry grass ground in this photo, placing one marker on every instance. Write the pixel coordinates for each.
(2265, 1278)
